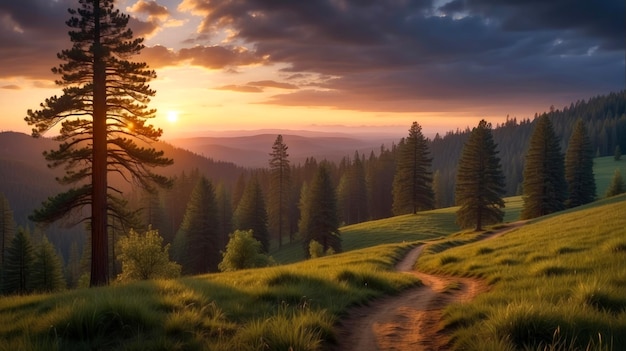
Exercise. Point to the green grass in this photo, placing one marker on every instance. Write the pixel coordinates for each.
(603, 168)
(427, 225)
(558, 283)
(263, 309)
(408, 228)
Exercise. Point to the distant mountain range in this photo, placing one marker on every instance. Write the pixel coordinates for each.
(253, 151)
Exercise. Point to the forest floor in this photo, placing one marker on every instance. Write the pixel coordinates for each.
(412, 319)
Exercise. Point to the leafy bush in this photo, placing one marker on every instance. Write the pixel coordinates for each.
(144, 257)
(243, 251)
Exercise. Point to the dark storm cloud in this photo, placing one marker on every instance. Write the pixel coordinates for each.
(32, 32)
(401, 50)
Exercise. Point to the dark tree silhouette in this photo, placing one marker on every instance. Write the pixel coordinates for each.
(581, 183)
(545, 189)
(18, 264)
(102, 116)
(251, 213)
(412, 183)
(278, 208)
(196, 246)
(7, 228)
(479, 181)
(320, 220)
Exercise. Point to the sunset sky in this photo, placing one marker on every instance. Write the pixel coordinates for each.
(331, 64)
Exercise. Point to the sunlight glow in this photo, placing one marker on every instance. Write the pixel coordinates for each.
(172, 116)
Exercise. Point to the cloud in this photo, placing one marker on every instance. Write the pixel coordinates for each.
(32, 32)
(273, 84)
(385, 54)
(211, 57)
(258, 86)
(11, 87)
(150, 8)
(241, 88)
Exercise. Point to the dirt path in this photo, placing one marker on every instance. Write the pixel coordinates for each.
(412, 319)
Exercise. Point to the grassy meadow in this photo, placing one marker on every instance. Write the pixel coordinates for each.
(557, 283)
(604, 168)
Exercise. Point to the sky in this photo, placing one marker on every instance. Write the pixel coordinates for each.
(336, 65)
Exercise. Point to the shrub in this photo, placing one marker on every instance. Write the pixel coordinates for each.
(243, 251)
(144, 257)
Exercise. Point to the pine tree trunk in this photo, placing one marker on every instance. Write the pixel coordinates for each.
(99, 240)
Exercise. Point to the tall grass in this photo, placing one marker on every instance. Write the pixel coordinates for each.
(264, 309)
(558, 283)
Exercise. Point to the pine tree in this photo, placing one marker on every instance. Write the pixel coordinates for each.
(617, 155)
(72, 269)
(7, 227)
(47, 270)
(18, 264)
(579, 175)
(251, 213)
(545, 189)
(103, 114)
(224, 214)
(352, 192)
(143, 256)
(480, 182)
(617, 185)
(320, 220)
(197, 242)
(412, 183)
(278, 209)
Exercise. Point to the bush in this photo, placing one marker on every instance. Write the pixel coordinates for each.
(144, 257)
(243, 251)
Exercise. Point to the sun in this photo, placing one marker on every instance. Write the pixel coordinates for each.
(172, 116)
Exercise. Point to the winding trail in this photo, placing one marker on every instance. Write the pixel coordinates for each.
(412, 319)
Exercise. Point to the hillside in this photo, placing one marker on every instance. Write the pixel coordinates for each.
(26, 181)
(549, 272)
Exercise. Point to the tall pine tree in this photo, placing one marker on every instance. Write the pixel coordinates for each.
(7, 227)
(278, 209)
(47, 270)
(412, 183)
(196, 246)
(544, 186)
(479, 182)
(581, 183)
(320, 219)
(102, 113)
(18, 264)
(352, 192)
(251, 213)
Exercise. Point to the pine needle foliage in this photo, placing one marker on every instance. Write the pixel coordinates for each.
(320, 218)
(102, 116)
(412, 183)
(18, 264)
(545, 189)
(280, 180)
(47, 270)
(579, 175)
(196, 243)
(480, 181)
(617, 185)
